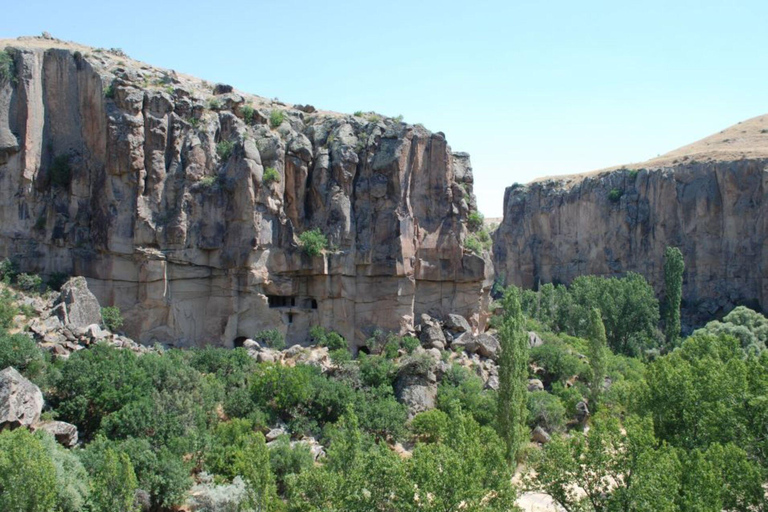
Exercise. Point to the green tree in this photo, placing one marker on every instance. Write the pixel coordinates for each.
(114, 484)
(598, 354)
(27, 473)
(747, 326)
(252, 463)
(615, 471)
(674, 266)
(513, 376)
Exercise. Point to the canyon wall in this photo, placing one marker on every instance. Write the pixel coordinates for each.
(159, 188)
(622, 220)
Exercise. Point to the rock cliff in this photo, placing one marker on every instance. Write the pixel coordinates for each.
(709, 199)
(182, 202)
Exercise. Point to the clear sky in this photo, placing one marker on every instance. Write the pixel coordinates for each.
(528, 88)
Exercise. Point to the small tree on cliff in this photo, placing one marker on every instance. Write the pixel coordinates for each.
(513, 374)
(598, 352)
(674, 266)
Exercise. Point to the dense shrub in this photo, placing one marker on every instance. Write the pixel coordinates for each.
(313, 242)
(29, 282)
(224, 149)
(270, 176)
(475, 221)
(558, 361)
(8, 308)
(27, 473)
(7, 67)
(248, 113)
(276, 118)
(747, 326)
(430, 426)
(21, 352)
(459, 387)
(545, 410)
(271, 338)
(111, 317)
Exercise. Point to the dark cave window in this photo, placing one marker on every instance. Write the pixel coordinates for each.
(281, 301)
(313, 304)
(289, 317)
(239, 341)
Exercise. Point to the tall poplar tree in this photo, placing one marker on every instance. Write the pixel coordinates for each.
(674, 266)
(513, 375)
(598, 353)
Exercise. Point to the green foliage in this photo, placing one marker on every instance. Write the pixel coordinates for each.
(629, 309)
(513, 376)
(209, 182)
(29, 282)
(271, 338)
(8, 270)
(706, 392)
(478, 242)
(158, 471)
(7, 67)
(72, 482)
(248, 112)
(674, 266)
(747, 326)
(614, 470)
(475, 221)
(60, 171)
(276, 118)
(224, 150)
(27, 473)
(598, 353)
(21, 352)
(376, 370)
(461, 388)
(8, 308)
(114, 483)
(409, 343)
(109, 91)
(271, 176)
(111, 318)
(545, 410)
(214, 104)
(615, 195)
(289, 461)
(558, 361)
(430, 426)
(313, 242)
(358, 113)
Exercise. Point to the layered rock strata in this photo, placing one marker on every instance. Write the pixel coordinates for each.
(182, 203)
(709, 199)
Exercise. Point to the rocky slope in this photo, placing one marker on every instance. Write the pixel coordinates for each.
(708, 198)
(157, 187)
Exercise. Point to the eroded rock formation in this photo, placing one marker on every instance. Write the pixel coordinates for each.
(152, 185)
(709, 199)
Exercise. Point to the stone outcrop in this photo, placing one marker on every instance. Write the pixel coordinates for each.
(182, 203)
(21, 402)
(712, 205)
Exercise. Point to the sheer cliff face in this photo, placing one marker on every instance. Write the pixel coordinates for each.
(619, 221)
(153, 186)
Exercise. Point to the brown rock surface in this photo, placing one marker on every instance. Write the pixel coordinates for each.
(152, 187)
(708, 198)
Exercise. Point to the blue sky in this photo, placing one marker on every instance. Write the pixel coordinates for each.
(528, 88)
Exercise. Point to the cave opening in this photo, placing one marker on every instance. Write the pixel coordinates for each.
(239, 341)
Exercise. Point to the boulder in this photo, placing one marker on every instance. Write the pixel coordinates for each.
(416, 385)
(492, 382)
(21, 402)
(276, 432)
(535, 385)
(540, 435)
(487, 346)
(457, 323)
(582, 411)
(534, 340)
(431, 332)
(77, 306)
(64, 433)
